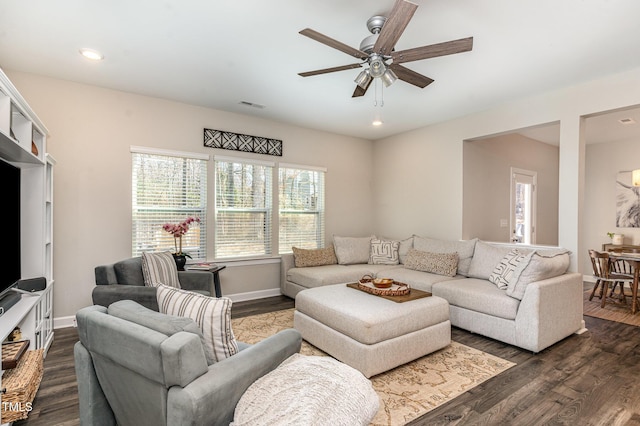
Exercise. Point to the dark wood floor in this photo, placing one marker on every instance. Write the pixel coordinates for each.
(588, 379)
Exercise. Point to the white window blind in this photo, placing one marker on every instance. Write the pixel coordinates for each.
(243, 208)
(301, 199)
(168, 189)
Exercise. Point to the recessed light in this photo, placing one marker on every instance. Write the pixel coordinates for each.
(377, 122)
(627, 121)
(91, 54)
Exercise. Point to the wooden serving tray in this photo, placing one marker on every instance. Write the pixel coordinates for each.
(11, 353)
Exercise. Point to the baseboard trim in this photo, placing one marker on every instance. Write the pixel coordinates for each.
(64, 322)
(253, 295)
(583, 329)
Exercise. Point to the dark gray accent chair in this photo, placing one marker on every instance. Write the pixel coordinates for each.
(139, 367)
(124, 280)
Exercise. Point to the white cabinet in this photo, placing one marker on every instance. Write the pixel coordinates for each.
(23, 140)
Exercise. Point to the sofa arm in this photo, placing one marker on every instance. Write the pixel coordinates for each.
(196, 280)
(287, 262)
(105, 295)
(212, 398)
(550, 310)
(94, 407)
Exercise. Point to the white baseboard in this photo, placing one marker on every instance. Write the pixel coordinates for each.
(583, 329)
(64, 322)
(588, 279)
(253, 295)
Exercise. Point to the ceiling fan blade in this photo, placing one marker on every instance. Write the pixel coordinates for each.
(411, 77)
(360, 91)
(328, 70)
(433, 50)
(394, 26)
(314, 35)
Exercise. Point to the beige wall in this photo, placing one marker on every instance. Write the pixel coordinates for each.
(91, 132)
(487, 186)
(603, 162)
(423, 192)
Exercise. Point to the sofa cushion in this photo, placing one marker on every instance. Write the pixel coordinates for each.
(213, 315)
(160, 268)
(438, 263)
(485, 258)
(318, 257)
(384, 252)
(464, 248)
(329, 274)
(165, 324)
(543, 264)
(415, 279)
(352, 250)
(504, 270)
(129, 271)
(479, 296)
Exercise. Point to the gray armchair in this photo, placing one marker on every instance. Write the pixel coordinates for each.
(139, 367)
(124, 280)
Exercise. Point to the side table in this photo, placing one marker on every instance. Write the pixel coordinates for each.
(215, 270)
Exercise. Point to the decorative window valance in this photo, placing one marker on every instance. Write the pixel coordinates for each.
(239, 142)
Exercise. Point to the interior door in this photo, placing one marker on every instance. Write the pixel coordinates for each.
(523, 206)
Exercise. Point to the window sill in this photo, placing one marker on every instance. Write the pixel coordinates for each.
(232, 263)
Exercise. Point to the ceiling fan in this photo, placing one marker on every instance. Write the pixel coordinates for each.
(377, 50)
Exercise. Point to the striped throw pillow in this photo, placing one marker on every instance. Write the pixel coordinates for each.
(212, 315)
(159, 268)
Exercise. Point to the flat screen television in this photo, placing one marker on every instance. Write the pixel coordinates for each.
(10, 273)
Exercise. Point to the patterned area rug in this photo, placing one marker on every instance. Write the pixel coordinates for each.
(408, 391)
(612, 310)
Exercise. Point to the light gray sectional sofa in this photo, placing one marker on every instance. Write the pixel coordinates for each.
(531, 300)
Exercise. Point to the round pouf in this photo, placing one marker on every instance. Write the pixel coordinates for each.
(308, 390)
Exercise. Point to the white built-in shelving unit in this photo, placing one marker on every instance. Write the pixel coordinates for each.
(23, 143)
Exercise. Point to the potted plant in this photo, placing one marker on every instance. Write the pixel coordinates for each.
(616, 239)
(178, 230)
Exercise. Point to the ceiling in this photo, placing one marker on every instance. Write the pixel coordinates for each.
(218, 54)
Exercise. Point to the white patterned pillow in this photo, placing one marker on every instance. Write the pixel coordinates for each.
(384, 252)
(159, 268)
(504, 270)
(212, 315)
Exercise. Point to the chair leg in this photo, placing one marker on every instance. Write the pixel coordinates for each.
(595, 287)
(605, 287)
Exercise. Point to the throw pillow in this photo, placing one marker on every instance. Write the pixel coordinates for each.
(384, 252)
(352, 250)
(504, 271)
(485, 258)
(159, 268)
(212, 315)
(541, 265)
(438, 263)
(317, 257)
(464, 248)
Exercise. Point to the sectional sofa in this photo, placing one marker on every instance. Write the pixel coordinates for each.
(522, 296)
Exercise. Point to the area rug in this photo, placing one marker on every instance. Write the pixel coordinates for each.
(611, 311)
(406, 392)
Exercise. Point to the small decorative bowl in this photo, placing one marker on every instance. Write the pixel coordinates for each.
(383, 282)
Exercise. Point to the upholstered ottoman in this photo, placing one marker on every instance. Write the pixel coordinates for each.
(370, 333)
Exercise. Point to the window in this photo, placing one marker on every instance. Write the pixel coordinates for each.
(243, 210)
(168, 187)
(301, 199)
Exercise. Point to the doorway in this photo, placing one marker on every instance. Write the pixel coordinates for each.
(523, 206)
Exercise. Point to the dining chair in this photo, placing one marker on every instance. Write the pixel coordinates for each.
(602, 272)
(621, 267)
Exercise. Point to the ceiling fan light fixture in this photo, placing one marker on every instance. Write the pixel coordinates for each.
(363, 79)
(388, 77)
(377, 66)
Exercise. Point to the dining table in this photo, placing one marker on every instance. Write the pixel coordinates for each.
(633, 259)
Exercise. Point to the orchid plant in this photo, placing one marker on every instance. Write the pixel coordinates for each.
(178, 230)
